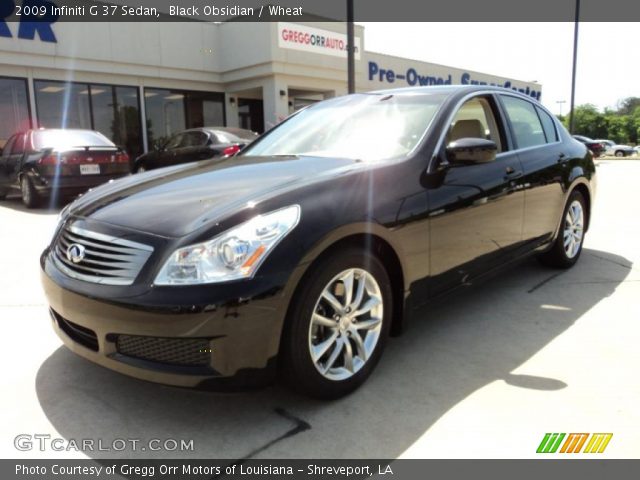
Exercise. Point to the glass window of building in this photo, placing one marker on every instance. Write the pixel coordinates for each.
(116, 115)
(111, 110)
(14, 108)
(62, 105)
(171, 111)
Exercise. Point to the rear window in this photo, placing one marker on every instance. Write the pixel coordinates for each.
(236, 136)
(63, 139)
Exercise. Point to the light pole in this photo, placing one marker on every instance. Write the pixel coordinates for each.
(351, 65)
(575, 60)
(560, 102)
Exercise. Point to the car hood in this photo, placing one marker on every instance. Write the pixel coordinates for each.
(175, 201)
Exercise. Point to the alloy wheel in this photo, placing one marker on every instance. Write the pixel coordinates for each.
(573, 229)
(346, 324)
(25, 190)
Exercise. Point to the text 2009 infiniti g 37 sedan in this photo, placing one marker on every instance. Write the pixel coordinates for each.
(305, 252)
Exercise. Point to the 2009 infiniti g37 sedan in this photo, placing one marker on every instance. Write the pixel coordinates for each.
(303, 254)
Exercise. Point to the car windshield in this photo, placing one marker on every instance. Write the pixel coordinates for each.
(62, 139)
(362, 126)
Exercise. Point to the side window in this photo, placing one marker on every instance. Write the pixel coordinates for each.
(525, 123)
(175, 142)
(18, 146)
(194, 139)
(475, 119)
(548, 126)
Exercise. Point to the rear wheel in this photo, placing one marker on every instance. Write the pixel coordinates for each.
(29, 195)
(619, 153)
(338, 325)
(141, 168)
(568, 245)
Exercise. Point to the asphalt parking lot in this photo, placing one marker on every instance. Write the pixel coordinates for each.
(485, 373)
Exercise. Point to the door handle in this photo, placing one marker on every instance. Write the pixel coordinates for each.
(511, 173)
(561, 157)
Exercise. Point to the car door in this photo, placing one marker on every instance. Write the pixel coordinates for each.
(476, 212)
(195, 147)
(4, 162)
(544, 164)
(16, 157)
(169, 155)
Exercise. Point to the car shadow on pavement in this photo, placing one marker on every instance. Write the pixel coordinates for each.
(48, 207)
(450, 350)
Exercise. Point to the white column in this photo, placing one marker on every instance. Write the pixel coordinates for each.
(276, 106)
(231, 111)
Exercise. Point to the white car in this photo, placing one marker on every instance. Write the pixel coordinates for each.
(610, 148)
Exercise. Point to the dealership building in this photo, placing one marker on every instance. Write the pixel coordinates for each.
(139, 83)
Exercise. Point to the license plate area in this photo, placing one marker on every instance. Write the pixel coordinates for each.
(89, 169)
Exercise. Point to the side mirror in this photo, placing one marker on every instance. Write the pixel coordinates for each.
(471, 150)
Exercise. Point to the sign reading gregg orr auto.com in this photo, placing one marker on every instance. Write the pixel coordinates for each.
(316, 40)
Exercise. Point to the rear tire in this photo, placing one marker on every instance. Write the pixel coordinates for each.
(141, 168)
(567, 246)
(337, 325)
(30, 196)
(619, 153)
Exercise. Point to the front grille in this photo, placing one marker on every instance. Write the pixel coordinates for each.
(171, 351)
(104, 259)
(79, 334)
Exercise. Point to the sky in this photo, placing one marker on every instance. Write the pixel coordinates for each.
(608, 63)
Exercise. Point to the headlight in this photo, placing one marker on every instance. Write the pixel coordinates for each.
(232, 255)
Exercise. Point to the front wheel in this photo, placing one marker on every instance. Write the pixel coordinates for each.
(568, 245)
(141, 168)
(337, 325)
(619, 153)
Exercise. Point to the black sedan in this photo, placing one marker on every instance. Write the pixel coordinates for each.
(195, 144)
(305, 252)
(58, 163)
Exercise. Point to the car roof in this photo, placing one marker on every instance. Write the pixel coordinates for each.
(447, 89)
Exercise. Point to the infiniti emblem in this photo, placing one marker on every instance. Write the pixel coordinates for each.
(75, 253)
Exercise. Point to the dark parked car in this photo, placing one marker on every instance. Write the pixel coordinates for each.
(597, 148)
(195, 144)
(45, 162)
(302, 254)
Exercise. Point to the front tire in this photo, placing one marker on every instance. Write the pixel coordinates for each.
(141, 168)
(337, 325)
(30, 196)
(619, 153)
(568, 245)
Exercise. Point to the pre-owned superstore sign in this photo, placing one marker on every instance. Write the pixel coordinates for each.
(412, 77)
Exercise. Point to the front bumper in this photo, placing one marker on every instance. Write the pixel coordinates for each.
(239, 337)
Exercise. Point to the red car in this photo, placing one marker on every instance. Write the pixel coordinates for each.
(596, 148)
(56, 162)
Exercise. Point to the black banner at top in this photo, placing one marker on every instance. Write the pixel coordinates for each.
(318, 10)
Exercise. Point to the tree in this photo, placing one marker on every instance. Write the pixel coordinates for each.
(628, 105)
(621, 125)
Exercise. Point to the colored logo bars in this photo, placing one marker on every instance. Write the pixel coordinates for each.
(574, 443)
